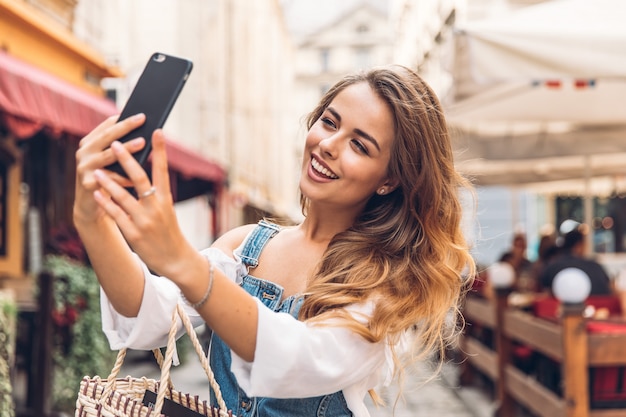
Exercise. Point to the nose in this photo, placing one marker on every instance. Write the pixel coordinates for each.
(329, 146)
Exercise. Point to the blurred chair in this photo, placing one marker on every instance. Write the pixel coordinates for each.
(547, 307)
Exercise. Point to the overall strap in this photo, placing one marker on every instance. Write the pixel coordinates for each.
(256, 242)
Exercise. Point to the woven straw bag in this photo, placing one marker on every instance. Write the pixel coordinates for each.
(122, 397)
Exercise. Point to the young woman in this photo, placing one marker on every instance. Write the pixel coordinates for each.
(306, 319)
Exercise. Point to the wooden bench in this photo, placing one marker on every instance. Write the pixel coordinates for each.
(567, 341)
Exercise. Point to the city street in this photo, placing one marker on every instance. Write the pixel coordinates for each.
(440, 397)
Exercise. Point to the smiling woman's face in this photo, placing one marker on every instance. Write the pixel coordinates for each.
(348, 148)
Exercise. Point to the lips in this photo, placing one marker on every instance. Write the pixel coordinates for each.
(321, 169)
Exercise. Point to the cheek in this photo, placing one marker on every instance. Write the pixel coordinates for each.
(312, 140)
(374, 176)
(366, 174)
(313, 136)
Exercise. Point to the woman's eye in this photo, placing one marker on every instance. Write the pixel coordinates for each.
(328, 122)
(359, 146)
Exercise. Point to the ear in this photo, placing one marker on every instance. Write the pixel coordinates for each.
(391, 184)
(387, 187)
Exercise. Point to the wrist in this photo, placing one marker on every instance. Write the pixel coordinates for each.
(88, 222)
(196, 282)
(207, 293)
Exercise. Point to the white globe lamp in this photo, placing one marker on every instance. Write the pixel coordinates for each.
(571, 286)
(568, 225)
(501, 275)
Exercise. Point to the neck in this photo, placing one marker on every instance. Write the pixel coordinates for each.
(322, 226)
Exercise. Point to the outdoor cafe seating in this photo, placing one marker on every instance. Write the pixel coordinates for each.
(546, 356)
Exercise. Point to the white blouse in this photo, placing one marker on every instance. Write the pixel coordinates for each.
(312, 360)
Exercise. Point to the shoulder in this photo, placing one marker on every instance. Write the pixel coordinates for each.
(232, 239)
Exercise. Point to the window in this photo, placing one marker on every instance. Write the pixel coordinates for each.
(362, 58)
(324, 59)
(609, 220)
(362, 28)
(111, 94)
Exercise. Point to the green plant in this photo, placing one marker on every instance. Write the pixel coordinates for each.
(8, 315)
(80, 346)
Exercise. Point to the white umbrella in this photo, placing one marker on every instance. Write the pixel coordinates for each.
(539, 94)
(556, 39)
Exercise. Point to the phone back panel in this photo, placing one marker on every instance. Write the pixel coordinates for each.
(154, 94)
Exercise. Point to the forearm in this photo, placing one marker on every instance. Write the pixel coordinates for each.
(229, 311)
(116, 267)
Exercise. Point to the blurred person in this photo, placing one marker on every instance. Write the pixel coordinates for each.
(516, 257)
(546, 251)
(309, 317)
(486, 288)
(572, 255)
(517, 253)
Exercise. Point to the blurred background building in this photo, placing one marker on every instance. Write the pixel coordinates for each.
(236, 133)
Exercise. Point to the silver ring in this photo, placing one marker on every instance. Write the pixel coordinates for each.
(148, 193)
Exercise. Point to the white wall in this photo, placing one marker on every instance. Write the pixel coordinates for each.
(232, 109)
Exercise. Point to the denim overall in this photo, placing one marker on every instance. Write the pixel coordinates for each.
(271, 295)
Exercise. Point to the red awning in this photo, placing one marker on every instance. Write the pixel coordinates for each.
(190, 165)
(32, 100)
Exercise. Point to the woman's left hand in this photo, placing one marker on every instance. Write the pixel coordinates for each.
(148, 222)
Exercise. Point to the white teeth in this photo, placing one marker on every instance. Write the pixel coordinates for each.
(319, 168)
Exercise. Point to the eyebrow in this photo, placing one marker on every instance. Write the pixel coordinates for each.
(359, 132)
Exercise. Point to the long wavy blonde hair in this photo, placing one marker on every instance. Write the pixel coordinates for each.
(406, 251)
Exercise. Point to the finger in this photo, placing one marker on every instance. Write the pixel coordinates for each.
(160, 173)
(133, 169)
(108, 122)
(93, 149)
(118, 196)
(89, 159)
(121, 128)
(107, 157)
(111, 129)
(120, 179)
(114, 211)
(127, 125)
(87, 146)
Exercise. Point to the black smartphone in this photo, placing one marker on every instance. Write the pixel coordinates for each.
(170, 407)
(154, 94)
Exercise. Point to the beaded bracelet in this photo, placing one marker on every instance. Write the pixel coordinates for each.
(205, 297)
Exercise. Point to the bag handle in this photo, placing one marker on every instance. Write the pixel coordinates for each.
(169, 354)
(165, 364)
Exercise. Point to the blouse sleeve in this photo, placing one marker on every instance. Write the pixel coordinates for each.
(150, 328)
(325, 358)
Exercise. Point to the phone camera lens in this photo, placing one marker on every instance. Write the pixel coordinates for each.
(159, 57)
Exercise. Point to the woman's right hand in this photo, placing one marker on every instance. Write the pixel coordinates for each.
(94, 153)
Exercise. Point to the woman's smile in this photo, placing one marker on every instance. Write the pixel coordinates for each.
(320, 169)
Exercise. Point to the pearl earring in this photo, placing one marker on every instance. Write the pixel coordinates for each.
(381, 191)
